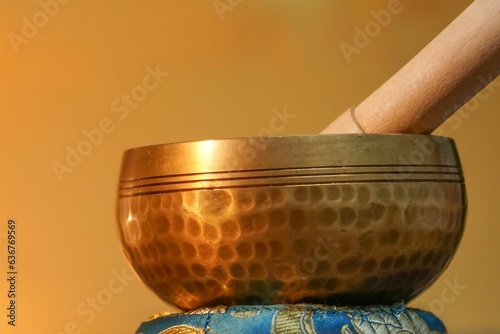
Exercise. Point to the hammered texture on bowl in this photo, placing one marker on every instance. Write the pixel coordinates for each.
(344, 219)
(347, 243)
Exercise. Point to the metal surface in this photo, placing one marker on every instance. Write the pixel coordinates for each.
(336, 219)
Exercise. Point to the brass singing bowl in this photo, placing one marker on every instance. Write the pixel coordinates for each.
(331, 219)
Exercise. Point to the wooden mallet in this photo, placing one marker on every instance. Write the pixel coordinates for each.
(442, 77)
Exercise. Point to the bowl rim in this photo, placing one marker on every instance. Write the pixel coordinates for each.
(295, 152)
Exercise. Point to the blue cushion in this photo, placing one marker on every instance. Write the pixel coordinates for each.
(298, 318)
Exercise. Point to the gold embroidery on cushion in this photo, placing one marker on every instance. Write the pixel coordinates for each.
(293, 321)
(182, 329)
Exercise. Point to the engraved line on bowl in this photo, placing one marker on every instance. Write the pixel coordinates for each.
(323, 179)
(173, 179)
(129, 193)
(454, 169)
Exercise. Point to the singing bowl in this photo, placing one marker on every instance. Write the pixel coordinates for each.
(342, 219)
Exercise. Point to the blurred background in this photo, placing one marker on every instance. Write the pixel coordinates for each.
(81, 81)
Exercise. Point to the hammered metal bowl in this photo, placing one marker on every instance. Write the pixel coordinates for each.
(332, 219)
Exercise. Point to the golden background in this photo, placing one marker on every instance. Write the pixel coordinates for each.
(68, 68)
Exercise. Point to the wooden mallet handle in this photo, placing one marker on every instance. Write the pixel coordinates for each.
(442, 77)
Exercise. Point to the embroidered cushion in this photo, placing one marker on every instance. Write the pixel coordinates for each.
(299, 318)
